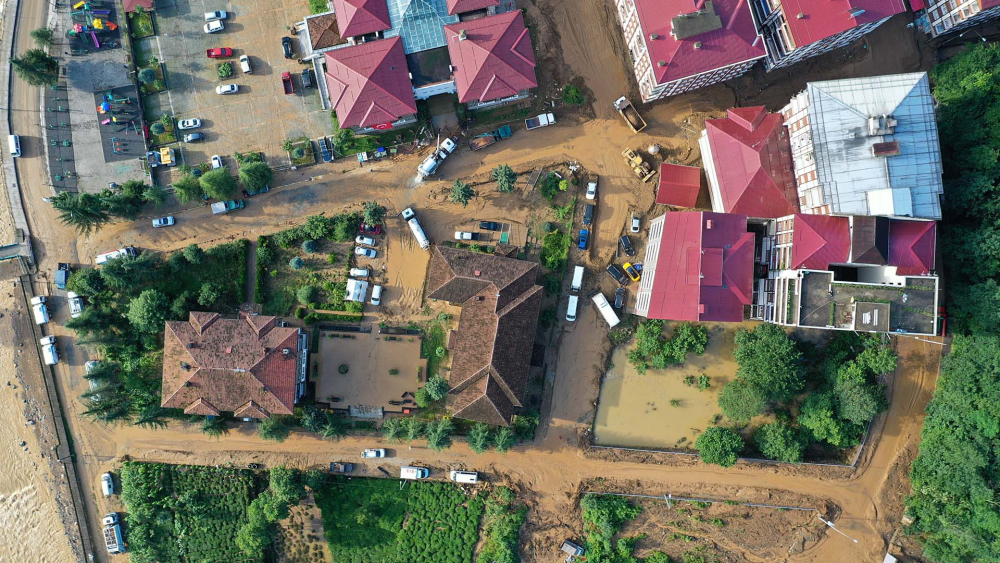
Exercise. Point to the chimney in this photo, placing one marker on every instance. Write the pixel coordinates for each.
(286, 351)
(697, 44)
(800, 16)
(653, 37)
(185, 366)
(462, 36)
(661, 63)
(709, 224)
(229, 350)
(477, 273)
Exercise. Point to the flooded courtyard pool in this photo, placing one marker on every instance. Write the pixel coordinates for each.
(637, 411)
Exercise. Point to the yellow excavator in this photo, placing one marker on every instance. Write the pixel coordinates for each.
(640, 168)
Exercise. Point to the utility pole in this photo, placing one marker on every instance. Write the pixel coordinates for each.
(830, 524)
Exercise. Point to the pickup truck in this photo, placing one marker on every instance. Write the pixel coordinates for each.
(218, 52)
(62, 275)
(487, 139)
(541, 120)
(635, 121)
(336, 467)
(466, 235)
(113, 534)
(220, 207)
(287, 84)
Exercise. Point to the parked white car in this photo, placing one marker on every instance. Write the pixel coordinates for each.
(216, 15)
(163, 221)
(245, 64)
(75, 304)
(373, 453)
(635, 224)
(192, 123)
(214, 26)
(107, 485)
(216, 161)
(591, 190)
(463, 235)
(227, 89)
(376, 296)
(359, 272)
(366, 252)
(367, 241)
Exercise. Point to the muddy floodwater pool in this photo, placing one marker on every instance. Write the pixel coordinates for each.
(658, 410)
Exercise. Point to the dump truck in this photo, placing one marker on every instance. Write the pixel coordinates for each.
(220, 207)
(113, 534)
(639, 167)
(487, 139)
(541, 120)
(287, 84)
(418, 232)
(62, 275)
(635, 121)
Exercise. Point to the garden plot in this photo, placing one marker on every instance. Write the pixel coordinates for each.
(376, 521)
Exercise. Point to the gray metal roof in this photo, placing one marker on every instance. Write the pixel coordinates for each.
(420, 23)
(843, 133)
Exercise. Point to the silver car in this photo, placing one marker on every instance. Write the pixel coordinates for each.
(227, 89)
(367, 241)
(163, 221)
(366, 252)
(192, 123)
(214, 26)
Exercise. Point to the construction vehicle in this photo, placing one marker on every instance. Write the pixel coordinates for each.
(487, 139)
(635, 121)
(411, 220)
(640, 168)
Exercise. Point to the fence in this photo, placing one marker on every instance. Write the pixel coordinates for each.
(669, 497)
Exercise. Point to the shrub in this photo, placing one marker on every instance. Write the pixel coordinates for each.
(306, 295)
(309, 246)
(572, 95)
(422, 398)
(147, 75)
(300, 313)
(275, 428)
(296, 263)
(298, 153)
(157, 128)
(719, 445)
(373, 213)
(225, 70)
(741, 401)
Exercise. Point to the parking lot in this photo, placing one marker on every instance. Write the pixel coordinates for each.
(260, 116)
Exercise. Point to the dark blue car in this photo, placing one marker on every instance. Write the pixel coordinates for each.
(584, 235)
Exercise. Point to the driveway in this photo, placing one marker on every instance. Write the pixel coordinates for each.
(260, 116)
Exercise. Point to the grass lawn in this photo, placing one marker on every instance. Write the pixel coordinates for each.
(500, 114)
(318, 6)
(434, 339)
(141, 24)
(364, 143)
(308, 157)
(364, 521)
(180, 513)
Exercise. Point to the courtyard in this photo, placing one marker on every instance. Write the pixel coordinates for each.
(380, 368)
(260, 116)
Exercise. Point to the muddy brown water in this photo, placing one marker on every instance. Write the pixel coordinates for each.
(636, 411)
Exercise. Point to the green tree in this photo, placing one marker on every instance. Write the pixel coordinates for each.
(437, 387)
(215, 426)
(479, 438)
(42, 36)
(412, 429)
(286, 484)
(720, 446)
(439, 434)
(307, 294)
(505, 177)
(780, 442)
(36, 68)
(770, 361)
(741, 401)
(313, 418)
(208, 294)
(817, 415)
(156, 195)
(392, 429)
(147, 75)
(296, 263)
(374, 213)
(504, 439)
(286, 145)
(275, 428)
(148, 311)
(86, 282)
(187, 189)
(309, 246)
(256, 176)
(422, 398)
(461, 193)
(218, 184)
(84, 212)
(193, 254)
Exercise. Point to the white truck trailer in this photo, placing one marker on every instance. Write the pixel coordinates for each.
(418, 233)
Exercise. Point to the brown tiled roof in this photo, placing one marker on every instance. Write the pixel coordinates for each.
(213, 364)
(500, 303)
(323, 31)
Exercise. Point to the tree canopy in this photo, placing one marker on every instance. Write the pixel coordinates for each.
(36, 67)
(769, 360)
(719, 445)
(255, 176)
(461, 193)
(218, 184)
(505, 177)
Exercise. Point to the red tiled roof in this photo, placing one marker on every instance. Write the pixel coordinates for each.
(679, 185)
(912, 246)
(753, 163)
(459, 6)
(360, 17)
(704, 270)
(131, 5)
(820, 240)
(495, 60)
(213, 364)
(822, 18)
(369, 83)
(732, 44)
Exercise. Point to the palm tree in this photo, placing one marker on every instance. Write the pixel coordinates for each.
(36, 67)
(152, 417)
(84, 212)
(215, 427)
(462, 193)
(110, 409)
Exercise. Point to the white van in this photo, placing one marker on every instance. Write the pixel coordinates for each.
(606, 311)
(376, 295)
(571, 308)
(14, 143)
(467, 477)
(577, 279)
(413, 473)
(49, 352)
(39, 309)
(120, 253)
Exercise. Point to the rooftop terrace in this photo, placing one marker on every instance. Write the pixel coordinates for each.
(868, 307)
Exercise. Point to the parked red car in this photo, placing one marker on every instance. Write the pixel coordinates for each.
(371, 229)
(219, 52)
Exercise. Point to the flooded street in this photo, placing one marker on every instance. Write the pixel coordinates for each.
(658, 410)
